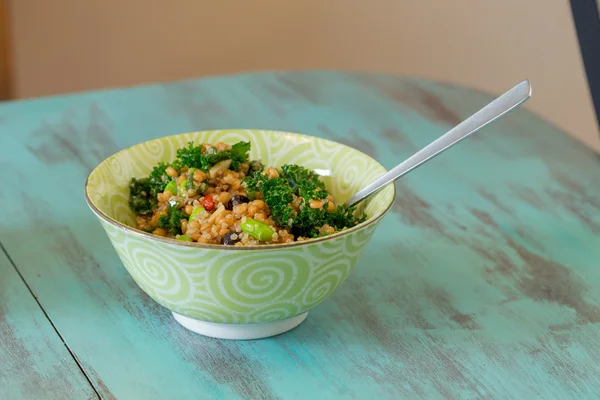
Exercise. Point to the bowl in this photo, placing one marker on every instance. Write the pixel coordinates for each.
(234, 292)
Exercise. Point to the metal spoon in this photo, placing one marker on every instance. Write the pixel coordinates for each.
(494, 110)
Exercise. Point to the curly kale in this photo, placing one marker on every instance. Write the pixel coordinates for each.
(278, 195)
(192, 156)
(255, 166)
(171, 221)
(288, 196)
(343, 217)
(158, 178)
(143, 191)
(141, 200)
(238, 154)
(295, 180)
(308, 222)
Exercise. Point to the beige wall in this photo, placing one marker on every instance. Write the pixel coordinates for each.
(72, 45)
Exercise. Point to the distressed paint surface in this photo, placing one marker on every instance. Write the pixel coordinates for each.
(483, 283)
(34, 362)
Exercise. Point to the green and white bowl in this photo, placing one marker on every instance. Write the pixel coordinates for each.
(235, 292)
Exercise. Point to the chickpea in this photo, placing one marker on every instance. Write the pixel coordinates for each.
(330, 206)
(172, 172)
(221, 146)
(260, 204)
(315, 203)
(224, 197)
(272, 173)
(195, 236)
(326, 229)
(240, 209)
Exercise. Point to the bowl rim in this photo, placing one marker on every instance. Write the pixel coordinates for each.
(206, 246)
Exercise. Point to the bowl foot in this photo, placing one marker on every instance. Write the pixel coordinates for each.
(240, 332)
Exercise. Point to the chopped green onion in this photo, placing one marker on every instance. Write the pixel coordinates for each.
(171, 187)
(183, 187)
(197, 210)
(190, 180)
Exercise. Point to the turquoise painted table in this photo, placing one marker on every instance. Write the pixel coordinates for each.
(483, 283)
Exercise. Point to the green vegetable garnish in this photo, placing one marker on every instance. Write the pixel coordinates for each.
(305, 181)
(190, 179)
(185, 238)
(171, 187)
(196, 211)
(257, 229)
(171, 222)
(255, 166)
(143, 191)
(295, 180)
(288, 196)
(192, 157)
(141, 200)
(183, 188)
(238, 154)
(158, 178)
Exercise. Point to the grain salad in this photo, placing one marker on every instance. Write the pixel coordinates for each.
(214, 194)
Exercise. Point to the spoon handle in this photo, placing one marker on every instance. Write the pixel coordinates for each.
(494, 110)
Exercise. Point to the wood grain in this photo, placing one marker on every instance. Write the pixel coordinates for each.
(34, 363)
(483, 283)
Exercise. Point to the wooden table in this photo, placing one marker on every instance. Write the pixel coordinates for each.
(483, 283)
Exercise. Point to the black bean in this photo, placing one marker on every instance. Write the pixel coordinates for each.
(236, 200)
(230, 238)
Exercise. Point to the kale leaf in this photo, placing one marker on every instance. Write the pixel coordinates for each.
(278, 195)
(238, 154)
(294, 180)
(171, 221)
(192, 156)
(143, 192)
(343, 217)
(255, 166)
(158, 178)
(141, 199)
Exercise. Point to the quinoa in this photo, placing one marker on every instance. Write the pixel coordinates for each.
(214, 194)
